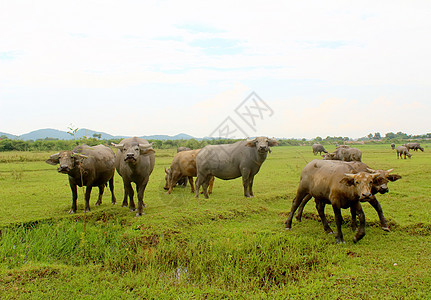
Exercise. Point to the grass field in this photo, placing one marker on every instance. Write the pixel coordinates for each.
(226, 246)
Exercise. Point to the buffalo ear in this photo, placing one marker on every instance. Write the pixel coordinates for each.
(348, 179)
(272, 142)
(147, 151)
(53, 159)
(251, 143)
(394, 177)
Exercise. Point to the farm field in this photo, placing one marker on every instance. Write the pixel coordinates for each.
(226, 246)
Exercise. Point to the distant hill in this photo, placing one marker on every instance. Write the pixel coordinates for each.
(41, 134)
(8, 135)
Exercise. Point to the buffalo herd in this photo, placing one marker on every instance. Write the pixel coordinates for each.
(339, 179)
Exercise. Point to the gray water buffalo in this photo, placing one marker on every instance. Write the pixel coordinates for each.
(318, 148)
(229, 161)
(344, 154)
(183, 180)
(402, 150)
(179, 149)
(414, 146)
(379, 186)
(183, 166)
(87, 166)
(334, 184)
(134, 162)
(393, 146)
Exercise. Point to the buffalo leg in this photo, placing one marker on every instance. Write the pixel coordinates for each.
(246, 182)
(74, 197)
(361, 231)
(301, 207)
(339, 222)
(101, 190)
(320, 206)
(250, 186)
(378, 208)
(141, 189)
(205, 185)
(211, 185)
(198, 185)
(128, 192)
(353, 213)
(87, 197)
(191, 184)
(299, 196)
(111, 188)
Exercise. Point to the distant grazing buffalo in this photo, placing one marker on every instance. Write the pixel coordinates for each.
(318, 148)
(183, 180)
(414, 146)
(183, 166)
(393, 146)
(403, 150)
(333, 183)
(229, 161)
(134, 162)
(87, 166)
(379, 186)
(344, 153)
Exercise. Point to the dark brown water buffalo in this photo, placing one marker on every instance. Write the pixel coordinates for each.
(318, 148)
(87, 166)
(402, 150)
(344, 154)
(134, 162)
(334, 184)
(379, 186)
(183, 166)
(229, 161)
(183, 180)
(414, 146)
(393, 146)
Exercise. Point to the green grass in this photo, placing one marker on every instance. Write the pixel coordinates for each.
(226, 246)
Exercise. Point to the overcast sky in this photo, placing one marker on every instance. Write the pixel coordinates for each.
(317, 68)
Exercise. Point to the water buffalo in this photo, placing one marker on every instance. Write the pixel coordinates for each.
(393, 146)
(333, 184)
(87, 166)
(179, 149)
(134, 162)
(379, 186)
(318, 148)
(229, 161)
(402, 150)
(414, 146)
(344, 154)
(183, 166)
(183, 180)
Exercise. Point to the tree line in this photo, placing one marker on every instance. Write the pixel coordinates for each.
(49, 144)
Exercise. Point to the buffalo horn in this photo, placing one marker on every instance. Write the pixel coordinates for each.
(118, 146)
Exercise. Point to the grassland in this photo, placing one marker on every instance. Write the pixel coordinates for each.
(223, 247)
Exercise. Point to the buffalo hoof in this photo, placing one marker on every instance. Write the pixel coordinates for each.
(72, 211)
(341, 242)
(288, 228)
(97, 204)
(357, 238)
(86, 210)
(140, 214)
(386, 229)
(132, 209)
